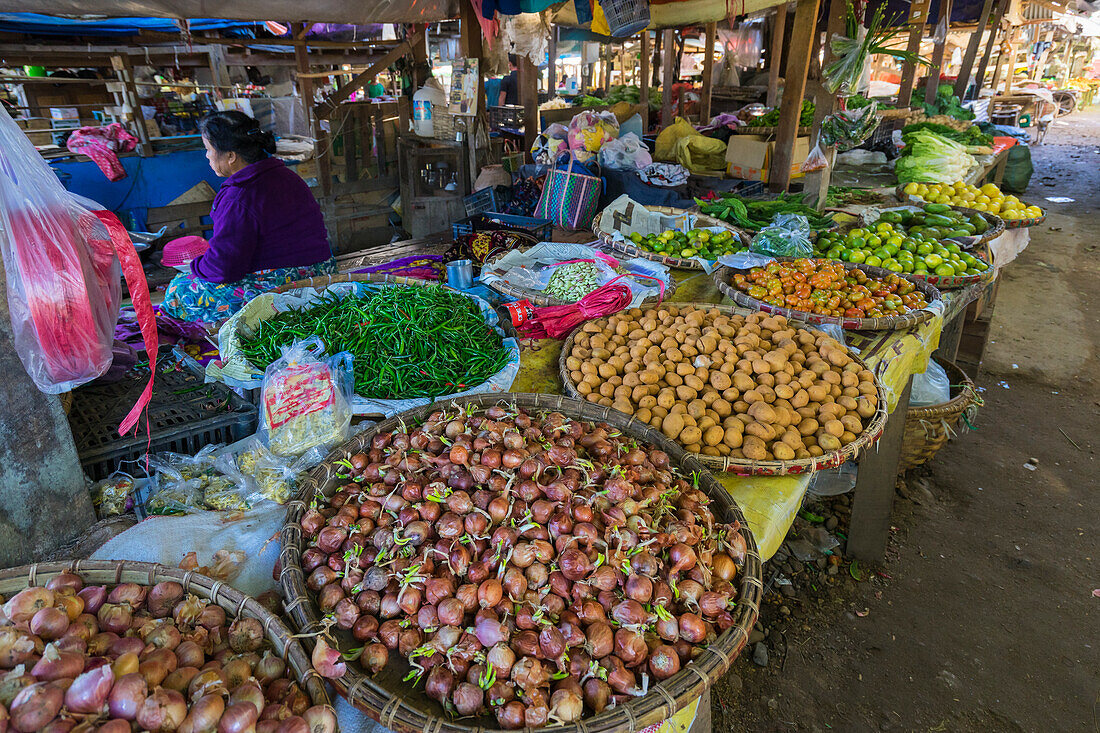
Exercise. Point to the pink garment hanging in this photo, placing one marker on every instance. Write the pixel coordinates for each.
(102, 144)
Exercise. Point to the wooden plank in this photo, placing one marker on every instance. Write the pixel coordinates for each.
(131, 109)
(708, 73)
(605, 60)
(963, 80)
(775, 52)
(177, 212)
(798, 64)
(325, 108)
(551, 60)
(666, 77)
(643, 85)
(933, 84)
(1010, 72)
(1041, 62)
(918, 17)
(994, 29)
(529, 98)
(873, 501)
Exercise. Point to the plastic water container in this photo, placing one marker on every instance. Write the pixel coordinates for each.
(427, 99)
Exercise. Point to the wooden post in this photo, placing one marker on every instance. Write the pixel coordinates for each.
(994, 29)
(666, 78)
(305, 88)
(933, 84)
(644, 81)
(708, 73)
(219, 72)
(1011, 71)
(605, 60)
(1067, 59)
(529, 98)
(470, 44)
(775, 53)
(131, 105)
(798, 63)
(551, 55)
(971, 54)
(1041, 62)
(918, 17)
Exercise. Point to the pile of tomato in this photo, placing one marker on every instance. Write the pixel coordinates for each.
(826, 288)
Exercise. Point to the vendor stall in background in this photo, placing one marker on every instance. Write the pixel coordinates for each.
(504, 407)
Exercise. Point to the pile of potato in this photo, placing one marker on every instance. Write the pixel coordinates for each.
(754, 387)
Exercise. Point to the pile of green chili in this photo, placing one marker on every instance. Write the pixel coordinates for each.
(406, 341)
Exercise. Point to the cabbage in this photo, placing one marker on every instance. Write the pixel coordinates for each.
(932, 158)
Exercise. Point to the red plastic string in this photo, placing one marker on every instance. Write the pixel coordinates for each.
(143, 308)
(556, 321)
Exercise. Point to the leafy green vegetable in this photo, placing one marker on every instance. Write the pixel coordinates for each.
(932, 158)
(771, 117)
(946, 103)
(973, 135)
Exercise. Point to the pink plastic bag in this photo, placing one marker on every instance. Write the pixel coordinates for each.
(62, 267)
(102, 144)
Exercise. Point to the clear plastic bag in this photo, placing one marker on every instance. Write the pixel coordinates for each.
(787, 236)
(816, 160)
(306, 399)
(112, 496)
(930, 388)
(628, 152)
(272, 476)
(62, 266)
(187, 484)
(848, 129)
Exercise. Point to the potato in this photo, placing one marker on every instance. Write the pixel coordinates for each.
(706, 421)
(589, 368)
(689, 421)
(607, 389)
(637, 393)
(783, 452)
(826, 442)
(818, 393)
(666, 398)
(808, 426)
(753, 448)
(673, 380)
(605, 402)
(766, 393)
(631, 379)
(690, 434)
(866, 408)
(852, 424)
(672, 425)
(740, 407)
(834, 428)
(623, 406)
(764, 431)
(685, 368)
(622, 393)
(792, 438)
(762, 412)
(721, 381)
(649, 376)
(696, 408)
(647, 401)
(685, 393)
(722, 407)
(658, 412)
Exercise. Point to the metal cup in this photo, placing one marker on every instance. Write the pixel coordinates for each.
(460, 274)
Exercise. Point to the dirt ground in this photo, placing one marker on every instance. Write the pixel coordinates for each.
(983, 616)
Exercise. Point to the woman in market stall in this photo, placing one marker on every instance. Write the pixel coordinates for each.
(268, 228)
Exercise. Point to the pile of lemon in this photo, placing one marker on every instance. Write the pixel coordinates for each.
(987, 198)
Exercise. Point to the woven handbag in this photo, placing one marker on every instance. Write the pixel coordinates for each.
(569, 198)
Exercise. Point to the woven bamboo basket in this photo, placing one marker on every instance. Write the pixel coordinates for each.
(539, 298)
(1008, 223)
(235, 603)
(927, 429)
(323, 281)
(404, 709)
(996, 223)
(743, 466)
(628, 248)
(722, 279)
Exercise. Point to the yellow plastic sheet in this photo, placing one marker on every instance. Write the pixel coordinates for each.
(769, 504)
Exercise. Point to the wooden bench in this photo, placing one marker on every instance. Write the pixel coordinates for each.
(181, 219)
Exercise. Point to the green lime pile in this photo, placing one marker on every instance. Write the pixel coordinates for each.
(693, 243)
(918, 243)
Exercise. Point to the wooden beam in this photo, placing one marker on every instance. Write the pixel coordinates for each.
(775, 53)
(551, 62)
(643, 85)
(708, 73)
(219, 71)
(918, 17)
(933, 84)
(131, 105)
(963, 80)
(994, 29)
(1041, 62)
(605, 59)
(326, 107)
(174, 38)
(1010, 73)
(666, 77)
(798, 64)
(529, 98)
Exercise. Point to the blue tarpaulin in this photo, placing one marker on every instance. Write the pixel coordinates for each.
(50, 25)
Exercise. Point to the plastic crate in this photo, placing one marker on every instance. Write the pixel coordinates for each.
(508, 115)
(541, 229)
(480, 202)
(185, 415)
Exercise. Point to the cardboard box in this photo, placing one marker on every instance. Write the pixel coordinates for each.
(749, 157)
(64, 113)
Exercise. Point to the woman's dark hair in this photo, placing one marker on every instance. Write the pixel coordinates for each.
(236, 132)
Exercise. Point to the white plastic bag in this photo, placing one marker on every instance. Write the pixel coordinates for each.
(306, 400)
(628, 152)
(930, 388)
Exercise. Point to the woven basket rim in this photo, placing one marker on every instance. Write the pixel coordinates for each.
(908, 320)
(537, 298)
(967, 394)
(997, 225)
(744, 466)
(323, 281)
(677, 262)
(234, 602)
(765, 131)
(403, 715)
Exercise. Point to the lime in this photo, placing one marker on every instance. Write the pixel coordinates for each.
(933, 261)
(874, 261)
(945, 270)
(857, 256)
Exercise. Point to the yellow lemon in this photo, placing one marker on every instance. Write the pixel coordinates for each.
(982, 199)
(980, 206)
(990, 190)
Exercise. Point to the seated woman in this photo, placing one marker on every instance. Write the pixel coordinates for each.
(268, 228)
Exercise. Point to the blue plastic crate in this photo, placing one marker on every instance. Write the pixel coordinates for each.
(541, 229)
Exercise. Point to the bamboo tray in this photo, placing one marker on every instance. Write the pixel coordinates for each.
(629, 249)
(402, 708)
(907, 320)
(745, 466)
(1008, 223)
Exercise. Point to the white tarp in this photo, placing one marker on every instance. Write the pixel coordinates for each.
(317, 11)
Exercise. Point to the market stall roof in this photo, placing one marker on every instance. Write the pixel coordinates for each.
(318, 11)
(49, 25)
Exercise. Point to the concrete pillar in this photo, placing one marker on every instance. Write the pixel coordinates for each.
(43, 502)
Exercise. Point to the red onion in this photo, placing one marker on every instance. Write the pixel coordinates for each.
(71, 605)
(566, 706)
(639, 588)
(164, 710)
(93, 596)
(115, 617)
(204, 715)
(529, 673)
(664, 662)
(575, 565)
(249, 692)
(490, 632)
(235, 672)
(212, 617)
(511, 716)
(115, 726)
(321, 719)
(35, 706)
(128, 593)
(163, 597)
(246, 634)
(26, 603)
(126, 645)
(49, 623)
(327, 661)
(238, 718)
(374, 657)
(127, 696)
(10, 686)
(629, 613)
(692, 628)
(630, 647)
(180, 678)
(440, 684)
(55, 665)
(88, 692)
(597, 694)
(467, 699)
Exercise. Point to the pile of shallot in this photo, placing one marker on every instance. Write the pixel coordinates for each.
(536, 567)
(131, 657)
